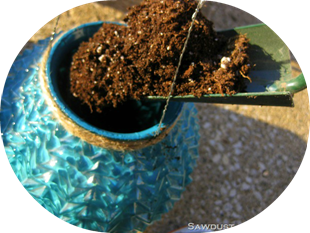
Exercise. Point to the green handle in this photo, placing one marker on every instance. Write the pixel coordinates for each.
(294, 85)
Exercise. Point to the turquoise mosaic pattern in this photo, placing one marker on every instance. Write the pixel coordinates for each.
(88, 186)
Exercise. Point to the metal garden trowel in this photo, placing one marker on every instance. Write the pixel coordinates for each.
(272, 82)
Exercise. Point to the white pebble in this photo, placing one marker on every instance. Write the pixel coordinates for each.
(224, 62)
(258, 196)
(207, 125)
(225, 160)
(99, 49)
(228, 207)
(218, 202)
(249, 179)
(261, 166)
(232, 193)
(216, 158)
(245, 187)
(223, 191)
(100, 58)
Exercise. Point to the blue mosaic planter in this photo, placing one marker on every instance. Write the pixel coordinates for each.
(86, 185)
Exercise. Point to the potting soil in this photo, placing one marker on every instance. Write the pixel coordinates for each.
(120, 63)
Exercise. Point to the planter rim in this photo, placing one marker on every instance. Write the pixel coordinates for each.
(172, 114)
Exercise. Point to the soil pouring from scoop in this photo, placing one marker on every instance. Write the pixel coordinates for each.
(120, 63)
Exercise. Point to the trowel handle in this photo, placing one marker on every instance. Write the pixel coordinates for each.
(294, 85)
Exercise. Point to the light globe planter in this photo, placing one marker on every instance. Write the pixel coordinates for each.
(90, 177)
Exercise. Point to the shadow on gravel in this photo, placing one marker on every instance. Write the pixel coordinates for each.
(244, 166)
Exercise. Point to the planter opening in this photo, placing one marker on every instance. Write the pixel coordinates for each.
(131, 116)
(131, 120)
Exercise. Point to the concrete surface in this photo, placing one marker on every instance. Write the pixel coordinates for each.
(248, 154)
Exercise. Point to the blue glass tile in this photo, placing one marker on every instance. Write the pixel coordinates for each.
(85, 185)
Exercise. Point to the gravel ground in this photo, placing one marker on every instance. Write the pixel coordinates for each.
(248, 154)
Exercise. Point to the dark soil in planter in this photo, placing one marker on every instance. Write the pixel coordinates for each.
(120, 63)
(143, 114)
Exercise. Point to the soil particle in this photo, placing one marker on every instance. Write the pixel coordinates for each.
(120, 63)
